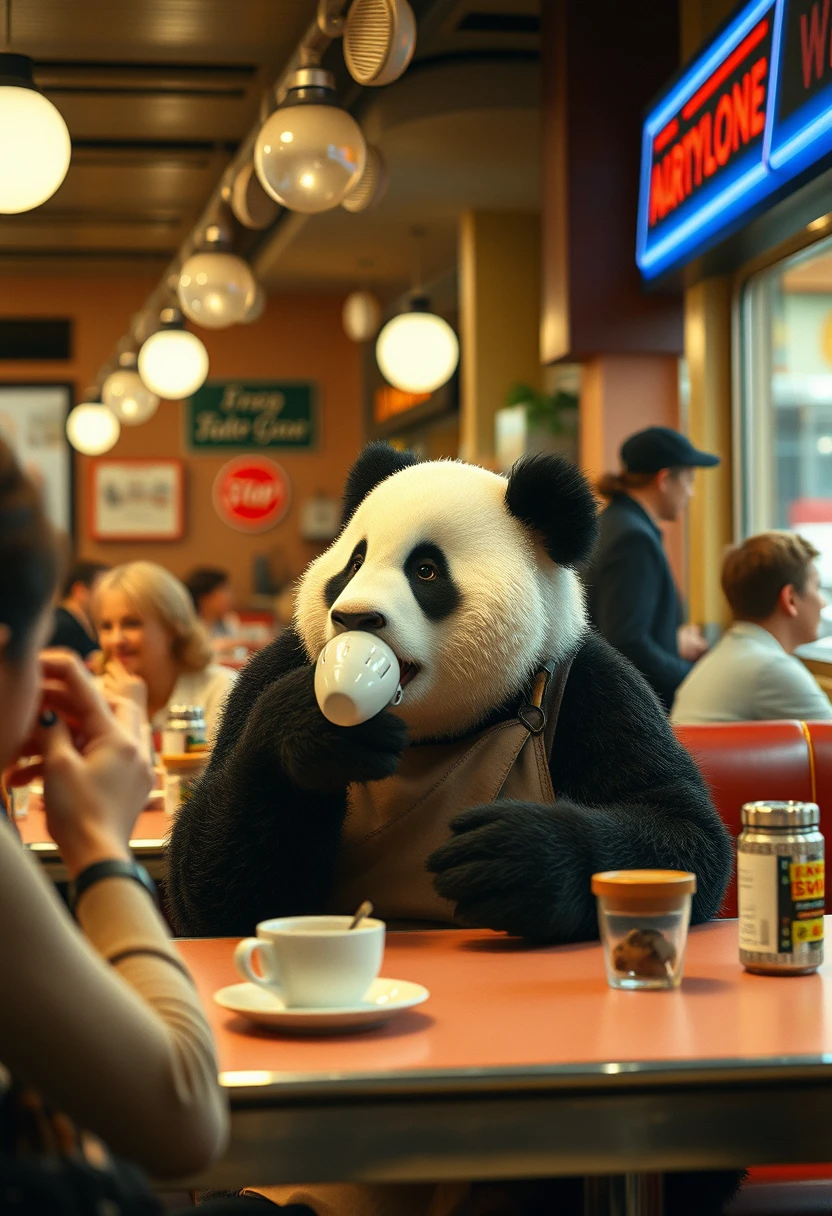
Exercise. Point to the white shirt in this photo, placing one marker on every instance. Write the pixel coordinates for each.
(207, 688)
(748, 677)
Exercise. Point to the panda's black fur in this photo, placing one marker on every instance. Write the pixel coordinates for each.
(260, 837)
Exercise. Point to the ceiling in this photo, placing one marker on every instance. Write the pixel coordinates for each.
(158, 95)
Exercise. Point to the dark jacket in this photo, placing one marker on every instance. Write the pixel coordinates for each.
(632, 597)
(70, 633)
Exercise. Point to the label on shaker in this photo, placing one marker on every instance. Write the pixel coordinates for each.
(781, 902)
(174, 742)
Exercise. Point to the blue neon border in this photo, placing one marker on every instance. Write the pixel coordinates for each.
(735, 194)
(807, 134)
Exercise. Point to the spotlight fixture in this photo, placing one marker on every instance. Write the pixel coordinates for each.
(173, 363)
(125, 393)
(417, 351)
(361, 316)
(215, 288)
(34, 141)
(379, 38)
(310, 153)
(91, 428)
(371, 185)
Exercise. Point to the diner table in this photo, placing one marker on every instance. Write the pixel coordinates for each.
(524, 1063)
(147, 843)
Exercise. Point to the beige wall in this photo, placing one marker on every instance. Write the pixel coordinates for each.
(499, 320)
(299, 337)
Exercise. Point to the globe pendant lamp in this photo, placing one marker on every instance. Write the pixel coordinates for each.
(91, 428)
(125, 393)
(173, 363)
(216, 288)
(256, 308)
(417, 351)
(310, 153)
(34, 141)
(361, 316)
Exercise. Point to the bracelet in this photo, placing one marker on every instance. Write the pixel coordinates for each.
(150, 952)
(109, 869)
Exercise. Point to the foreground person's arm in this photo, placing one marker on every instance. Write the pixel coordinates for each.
(121, 1046)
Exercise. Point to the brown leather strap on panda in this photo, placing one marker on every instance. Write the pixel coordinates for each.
(540, 715)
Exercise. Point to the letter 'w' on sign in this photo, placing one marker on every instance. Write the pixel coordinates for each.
(813, 41)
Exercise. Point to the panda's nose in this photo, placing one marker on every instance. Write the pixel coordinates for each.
(367, 621)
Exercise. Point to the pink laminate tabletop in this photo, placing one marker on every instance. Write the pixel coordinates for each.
(496, 1004)
(150, 826)
(524, 1063)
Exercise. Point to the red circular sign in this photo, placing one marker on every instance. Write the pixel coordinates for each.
(252, 493)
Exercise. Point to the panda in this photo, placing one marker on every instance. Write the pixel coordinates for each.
(525, 754)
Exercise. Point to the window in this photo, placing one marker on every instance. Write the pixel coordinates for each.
(786, 397)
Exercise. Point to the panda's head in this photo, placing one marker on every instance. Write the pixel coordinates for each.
(463, 573)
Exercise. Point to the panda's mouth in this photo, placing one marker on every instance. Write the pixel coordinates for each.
(408, 671)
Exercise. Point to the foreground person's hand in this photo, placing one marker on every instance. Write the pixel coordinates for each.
(95, 780)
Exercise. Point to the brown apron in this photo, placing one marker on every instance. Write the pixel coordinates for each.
(394, 825)
(391, 829)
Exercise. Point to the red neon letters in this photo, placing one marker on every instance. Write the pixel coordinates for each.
(731, 117)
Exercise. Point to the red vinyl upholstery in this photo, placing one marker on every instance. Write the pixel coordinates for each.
(746, 761)
(742, 762)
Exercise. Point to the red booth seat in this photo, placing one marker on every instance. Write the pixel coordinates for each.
(748, 761)
(744, 762)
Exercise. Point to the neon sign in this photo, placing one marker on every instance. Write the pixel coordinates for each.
(750, 113)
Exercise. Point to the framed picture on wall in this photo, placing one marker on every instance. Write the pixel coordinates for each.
(33, 423)
(141, 500)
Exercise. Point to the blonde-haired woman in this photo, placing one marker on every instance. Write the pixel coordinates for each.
(154, 648)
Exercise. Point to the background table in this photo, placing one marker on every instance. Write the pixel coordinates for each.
(524, 1063)
(148, 842)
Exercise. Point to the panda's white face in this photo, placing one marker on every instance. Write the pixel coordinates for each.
(434, 564)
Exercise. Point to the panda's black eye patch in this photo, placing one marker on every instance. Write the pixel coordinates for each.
(338, 582)
(430, 580)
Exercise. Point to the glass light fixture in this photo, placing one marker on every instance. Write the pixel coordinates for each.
(34, 141)
(91, 428)
(257, 307)
(310, 153)
(417, 351)
(361, 316)
(173, 363)
(125, 393)
(216, 289)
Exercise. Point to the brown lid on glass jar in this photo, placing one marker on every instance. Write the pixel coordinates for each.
(629, 888)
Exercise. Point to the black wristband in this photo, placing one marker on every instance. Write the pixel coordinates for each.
(109, 869)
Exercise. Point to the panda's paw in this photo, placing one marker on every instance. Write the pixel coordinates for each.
(515, 867)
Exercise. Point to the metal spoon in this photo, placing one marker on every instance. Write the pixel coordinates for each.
(365, 909)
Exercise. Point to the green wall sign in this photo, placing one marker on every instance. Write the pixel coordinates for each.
(253, 415)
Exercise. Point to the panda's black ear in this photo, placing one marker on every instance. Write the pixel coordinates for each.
(377, 462)
(551, 496)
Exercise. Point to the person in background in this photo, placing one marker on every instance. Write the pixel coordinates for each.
(73, 628)
(133, 1061)
(210, 589)
(154, 650)
(631, 593)
(772, 585)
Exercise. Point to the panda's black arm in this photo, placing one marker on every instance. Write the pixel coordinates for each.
(249, 844)
(628, 797)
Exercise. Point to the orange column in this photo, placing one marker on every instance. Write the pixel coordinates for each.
(621, 394)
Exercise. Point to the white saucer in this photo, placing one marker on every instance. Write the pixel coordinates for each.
(383, 999)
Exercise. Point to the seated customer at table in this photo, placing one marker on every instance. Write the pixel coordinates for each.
(154, 649)
(772, 584)
(98, 1015)
(73, 628)
(210, 589)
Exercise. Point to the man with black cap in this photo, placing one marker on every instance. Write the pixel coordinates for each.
(632, 596)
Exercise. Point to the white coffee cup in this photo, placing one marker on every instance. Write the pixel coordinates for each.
(314, 962)
(356, 677)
